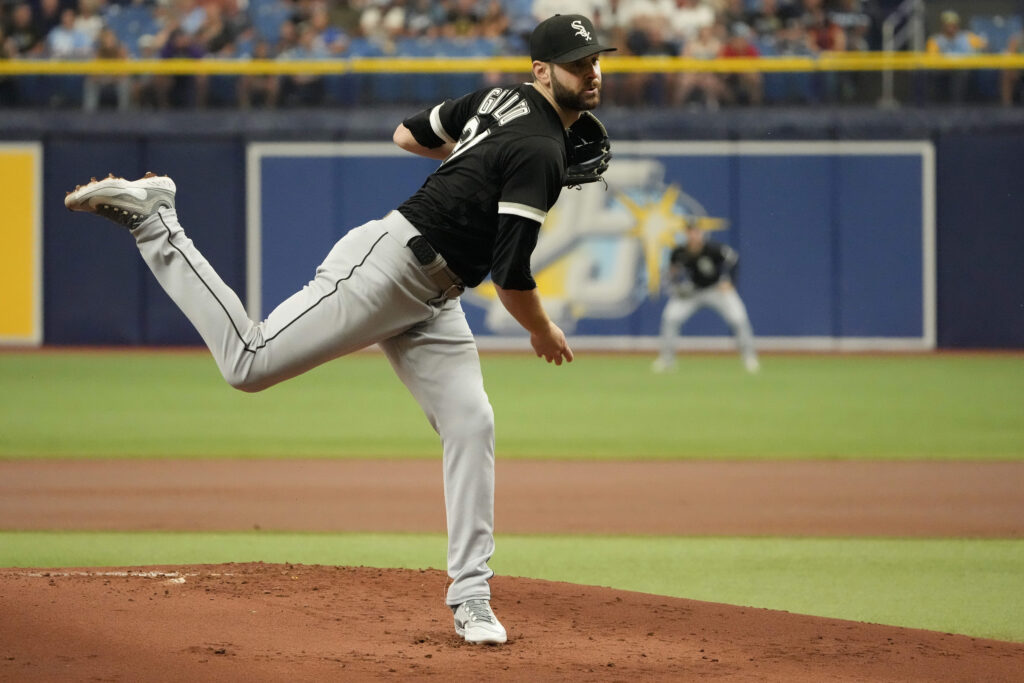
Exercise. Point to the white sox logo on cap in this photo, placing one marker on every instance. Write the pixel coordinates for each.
(581, 29)
(565, 38)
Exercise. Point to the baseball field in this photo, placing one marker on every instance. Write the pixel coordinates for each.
(850, 517)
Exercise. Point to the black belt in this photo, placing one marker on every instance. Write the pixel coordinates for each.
(436, 268)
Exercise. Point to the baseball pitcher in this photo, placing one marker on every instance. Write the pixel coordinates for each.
(505, 154)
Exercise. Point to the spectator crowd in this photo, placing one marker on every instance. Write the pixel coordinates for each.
(324, 29)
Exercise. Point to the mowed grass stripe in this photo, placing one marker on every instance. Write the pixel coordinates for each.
(138, 404)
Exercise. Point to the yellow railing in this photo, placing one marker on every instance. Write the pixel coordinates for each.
(840, 61)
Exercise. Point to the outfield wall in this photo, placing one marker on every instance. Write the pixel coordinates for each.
(835, 241)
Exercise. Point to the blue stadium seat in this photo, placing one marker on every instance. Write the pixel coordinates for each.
(458, 84)
(351, 89)
(267, 17)
(421, 87)
(996, 30)
(784, 87)
(520, 16)
(131, 22)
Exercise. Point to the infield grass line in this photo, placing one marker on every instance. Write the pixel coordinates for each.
(972, 587)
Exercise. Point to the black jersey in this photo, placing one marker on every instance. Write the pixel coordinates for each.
(509, 163)
(713, 263)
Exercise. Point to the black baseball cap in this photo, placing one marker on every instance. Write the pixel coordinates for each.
(564, 38)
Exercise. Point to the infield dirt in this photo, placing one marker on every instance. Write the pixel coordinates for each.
(262, 622)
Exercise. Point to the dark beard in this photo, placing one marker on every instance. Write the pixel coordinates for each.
(567, 99)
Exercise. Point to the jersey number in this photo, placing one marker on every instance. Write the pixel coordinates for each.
(502, 105)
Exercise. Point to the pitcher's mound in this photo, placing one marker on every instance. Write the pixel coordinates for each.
(269, 622)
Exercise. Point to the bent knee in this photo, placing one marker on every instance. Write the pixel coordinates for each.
(470, 422)
(247, 382)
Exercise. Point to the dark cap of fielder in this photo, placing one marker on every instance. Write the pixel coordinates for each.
(564, 38)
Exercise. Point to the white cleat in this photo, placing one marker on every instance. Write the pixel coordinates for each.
(660, 365)
(752, 365)
(127, 202)
(475, 621)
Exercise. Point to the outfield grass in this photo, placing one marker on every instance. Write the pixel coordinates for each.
(958, 586)
(135, 404)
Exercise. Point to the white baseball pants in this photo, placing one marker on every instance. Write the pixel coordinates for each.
(726, 302)
(370, 289)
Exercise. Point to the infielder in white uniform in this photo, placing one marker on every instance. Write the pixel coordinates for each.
(506, 153)
(700, 274)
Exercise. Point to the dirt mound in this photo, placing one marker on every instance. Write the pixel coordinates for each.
(263, 622)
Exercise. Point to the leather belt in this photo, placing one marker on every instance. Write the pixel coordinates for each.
(436, 268)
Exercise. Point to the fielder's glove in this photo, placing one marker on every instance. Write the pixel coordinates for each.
(589, 151)
(682, 289)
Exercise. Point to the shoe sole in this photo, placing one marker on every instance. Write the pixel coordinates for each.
(491, 640)
(79, 198)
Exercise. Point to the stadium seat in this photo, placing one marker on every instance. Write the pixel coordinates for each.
(267, 17)
(520, 16)
(458, 84)
(348, 89)
(996, 30)
(131, 22)
(421, 87)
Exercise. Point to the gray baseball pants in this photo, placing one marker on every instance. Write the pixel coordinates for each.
(370, 289)
(726, 302)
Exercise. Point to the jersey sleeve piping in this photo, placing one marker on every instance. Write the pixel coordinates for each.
(522, 210)
(435, 124)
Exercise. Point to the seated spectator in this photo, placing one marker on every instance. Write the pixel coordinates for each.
(304, 90)
(494, 22)
(855, 22)
(331, 39)
(8, 85)
(791, 40)
(260, 90)
(180, 90)
(731, 12)
(687, 17)
(103, 89)
(145, 91)
(382, 22)
(709, 85)
(423, 19)
(1010, 80)
(189, 15)
(66, 41)
(766, 21)
(648, 37)
(222, 27)
(89, 20)
(464, 20)
(952, 40)
(48, 15)
(345, 16)
(823, 34)
(744, 87)
(542, 9)
(22, 34)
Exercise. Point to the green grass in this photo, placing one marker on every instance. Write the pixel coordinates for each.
(136, 404)
(972, 587)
